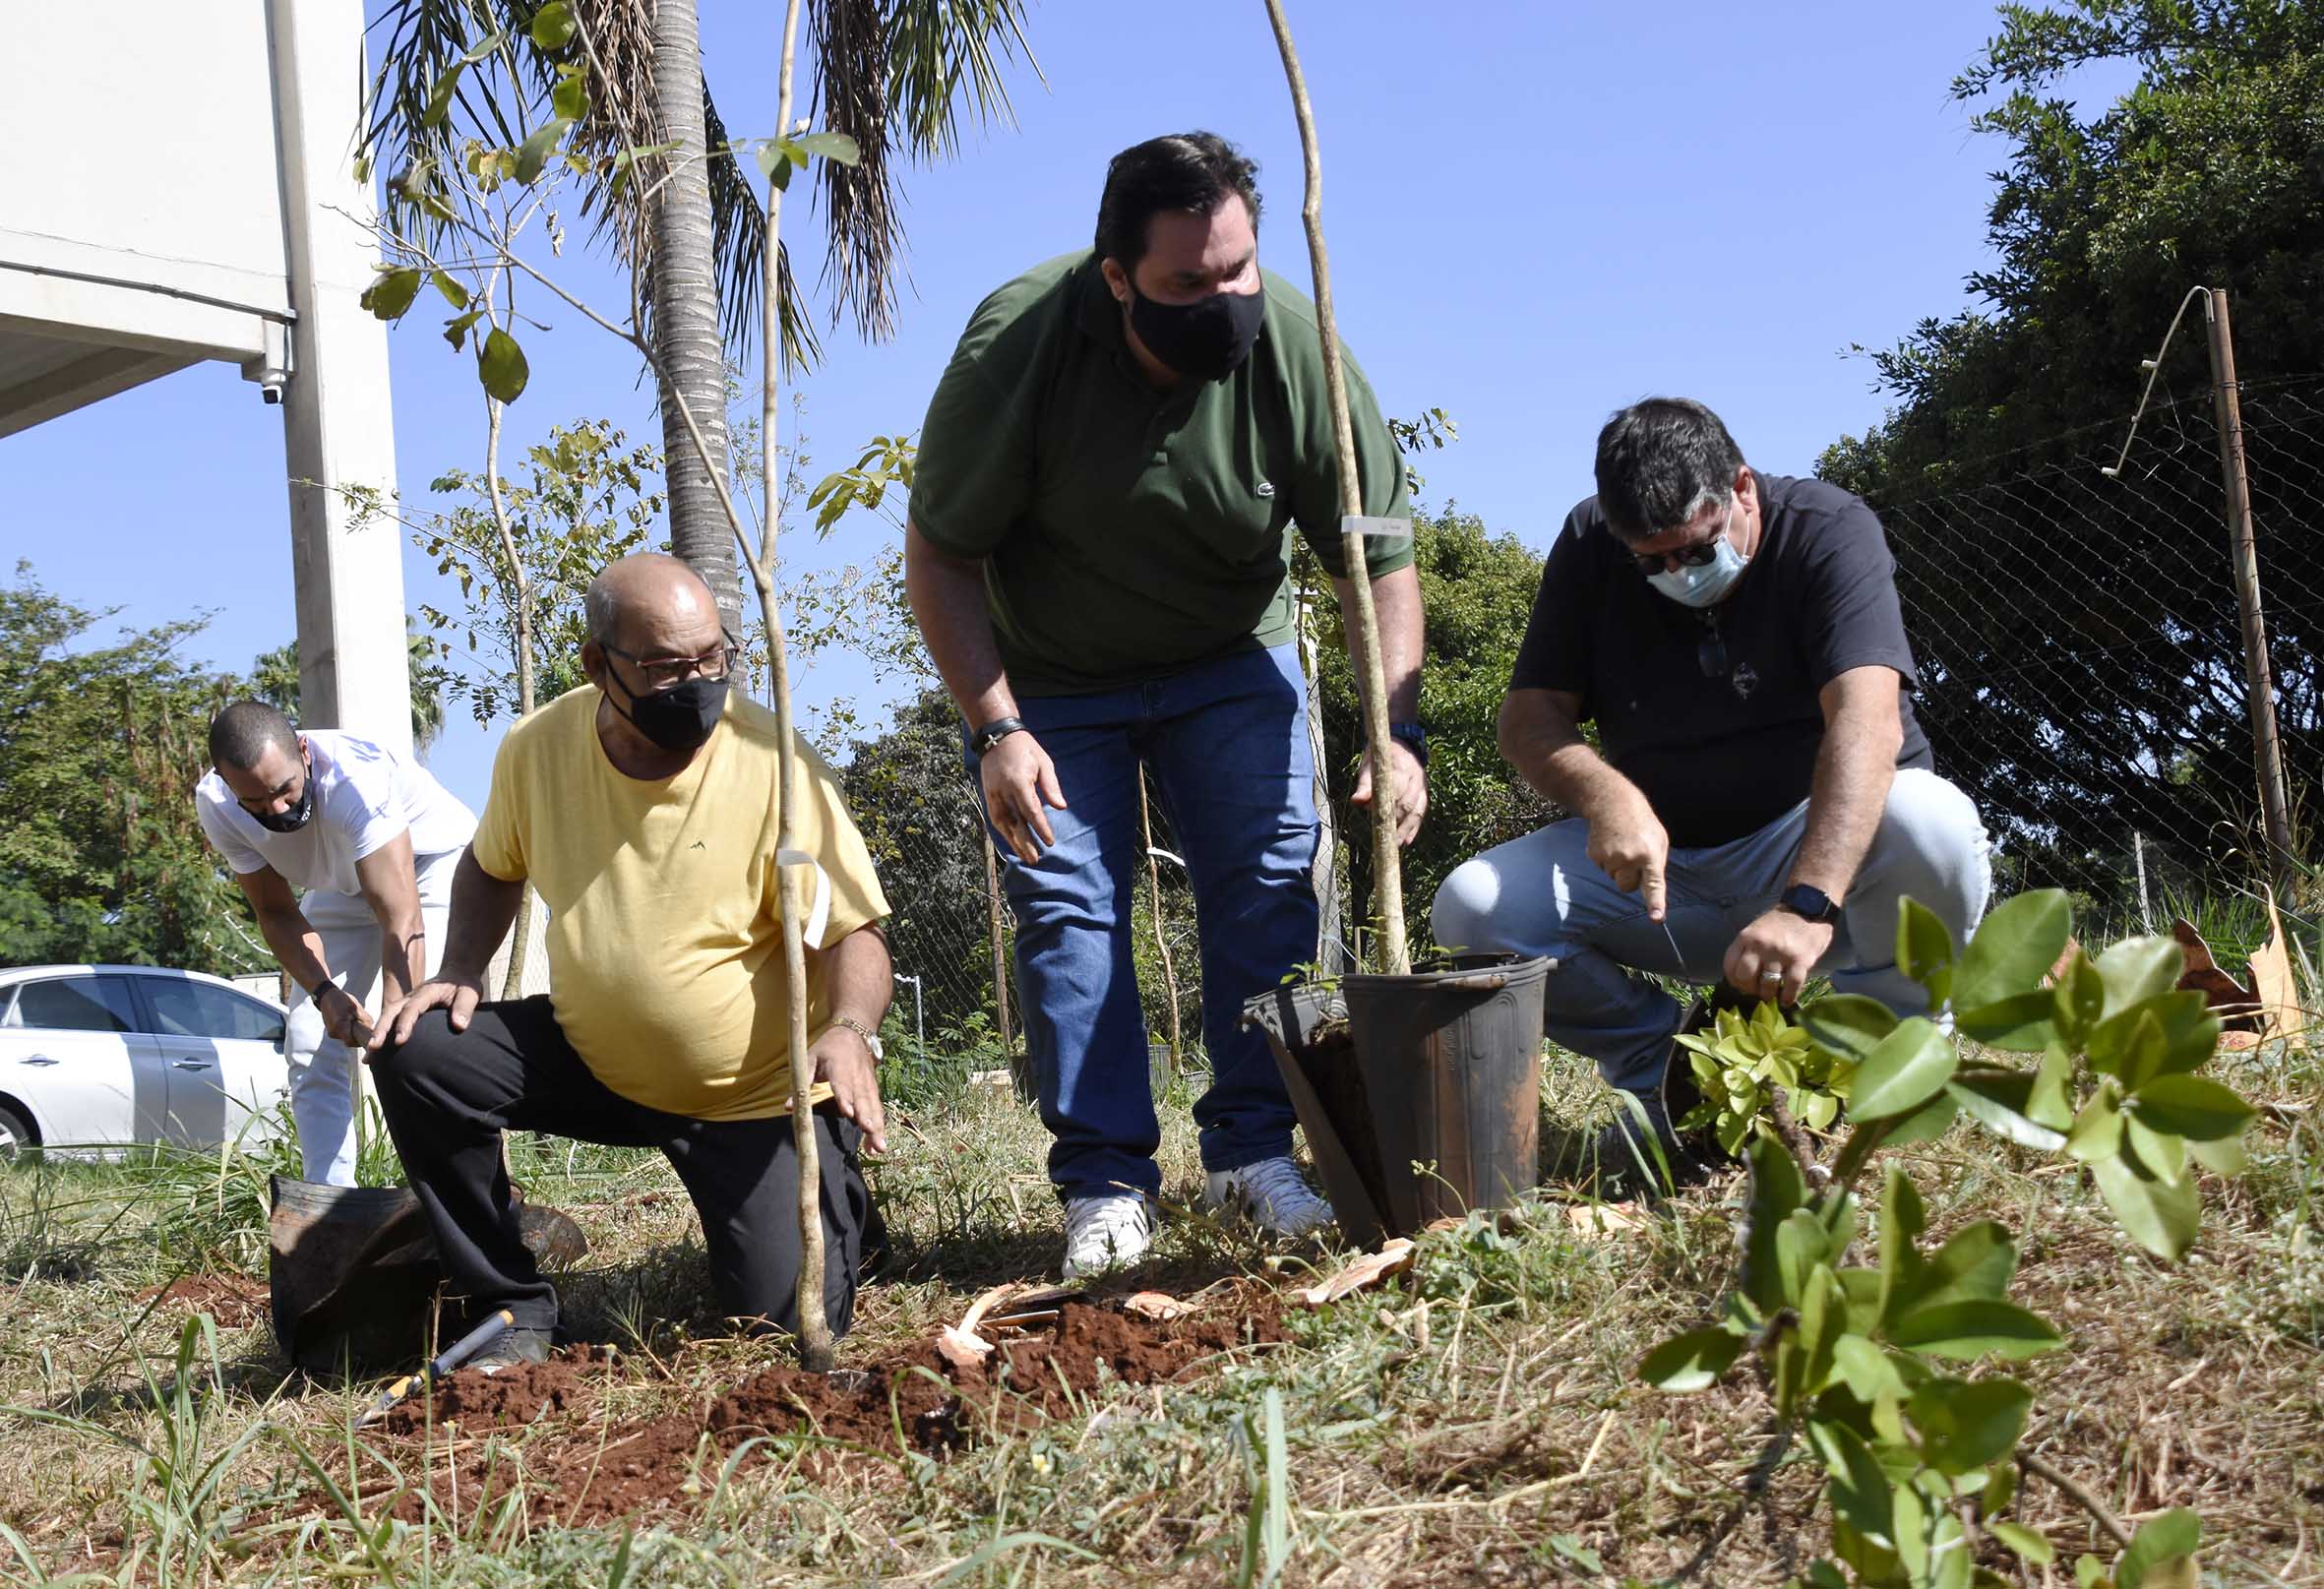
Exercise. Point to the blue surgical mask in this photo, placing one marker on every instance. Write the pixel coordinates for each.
(1704, 584)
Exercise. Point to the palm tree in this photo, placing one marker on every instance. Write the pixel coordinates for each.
(273, 679)
(893, 76)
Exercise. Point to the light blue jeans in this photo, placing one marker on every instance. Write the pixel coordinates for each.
(1541, 894)
(1227, 744)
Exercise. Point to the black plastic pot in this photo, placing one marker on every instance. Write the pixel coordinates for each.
(1439, 1068)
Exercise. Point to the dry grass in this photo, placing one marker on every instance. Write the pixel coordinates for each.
(1475, 1423)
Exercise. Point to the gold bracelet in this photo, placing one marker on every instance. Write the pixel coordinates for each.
(870, 1037)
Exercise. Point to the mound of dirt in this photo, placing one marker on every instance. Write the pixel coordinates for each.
(233, 1300)
(510, 1398)
(581, 1471)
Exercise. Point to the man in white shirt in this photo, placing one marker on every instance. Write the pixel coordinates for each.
(371, 839)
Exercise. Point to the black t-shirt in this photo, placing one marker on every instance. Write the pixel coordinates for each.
(1713, 713)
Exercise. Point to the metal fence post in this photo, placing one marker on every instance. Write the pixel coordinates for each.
(2267, 749)
(999, 947)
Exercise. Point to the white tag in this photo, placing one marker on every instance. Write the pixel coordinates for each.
(1358, 524)
(810, 931)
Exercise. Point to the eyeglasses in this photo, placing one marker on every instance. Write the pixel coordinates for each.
(666, 672)
(1697, 556)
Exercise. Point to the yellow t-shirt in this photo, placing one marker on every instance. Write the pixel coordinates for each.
(665, 937)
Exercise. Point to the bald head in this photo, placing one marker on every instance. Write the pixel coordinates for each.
(653, 604)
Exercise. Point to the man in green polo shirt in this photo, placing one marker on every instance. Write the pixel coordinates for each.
(1108, 481)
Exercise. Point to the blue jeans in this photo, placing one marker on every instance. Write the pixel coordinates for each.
(1227, 744)
(1542, 894)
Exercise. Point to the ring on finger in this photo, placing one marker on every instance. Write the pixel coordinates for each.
(1773, 973)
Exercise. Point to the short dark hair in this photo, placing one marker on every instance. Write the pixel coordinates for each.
(241, 734)
(1658, 461)
(1193, 173)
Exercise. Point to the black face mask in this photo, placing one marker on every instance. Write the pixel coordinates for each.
(677, 719)
(298, 815)
(1204, 341)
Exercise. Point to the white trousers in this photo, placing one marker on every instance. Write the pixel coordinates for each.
(322, 1069)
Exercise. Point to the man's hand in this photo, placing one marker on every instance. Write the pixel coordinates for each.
(1411, 788)
(844, 1060)
(342, 1017)
(461, 994)
(1631, 845)
(1018, 780)
(1773, 957)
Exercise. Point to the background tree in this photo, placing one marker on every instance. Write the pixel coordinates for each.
(2124, 709)
(273, 679)
(1477, 588)
(101, 857)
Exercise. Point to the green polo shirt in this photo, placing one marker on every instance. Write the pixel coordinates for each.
(1129, 533)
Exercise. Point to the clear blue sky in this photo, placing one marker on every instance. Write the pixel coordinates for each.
(1536, 213)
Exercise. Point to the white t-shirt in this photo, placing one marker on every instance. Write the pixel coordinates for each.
(364, 796)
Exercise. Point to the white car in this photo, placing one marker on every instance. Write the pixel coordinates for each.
(104, 1056)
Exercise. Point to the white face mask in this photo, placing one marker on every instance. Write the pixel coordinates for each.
(1703, 586)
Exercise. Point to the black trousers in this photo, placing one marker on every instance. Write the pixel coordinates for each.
(448, 1097)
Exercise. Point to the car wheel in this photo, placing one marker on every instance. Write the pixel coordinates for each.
(16, 1133)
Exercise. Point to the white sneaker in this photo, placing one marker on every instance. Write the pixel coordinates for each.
(1106, 1232)
(1270, 1194)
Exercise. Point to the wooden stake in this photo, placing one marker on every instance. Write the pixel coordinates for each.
(814, 1324)
(1372, 678)
(2267, 749)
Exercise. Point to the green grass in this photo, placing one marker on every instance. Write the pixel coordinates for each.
(1475, 1421)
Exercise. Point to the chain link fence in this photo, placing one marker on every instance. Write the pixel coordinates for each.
(2082, 658)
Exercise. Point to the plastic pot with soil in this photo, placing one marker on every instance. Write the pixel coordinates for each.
(1420, 1093)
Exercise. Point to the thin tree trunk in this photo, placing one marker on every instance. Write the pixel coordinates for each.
(1000, 945)
(1145, 823)
(520, 585)
(1325, 874)
(814, 1325)
(690, 356)
(1371, 678)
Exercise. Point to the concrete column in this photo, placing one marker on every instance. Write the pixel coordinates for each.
(336, 427)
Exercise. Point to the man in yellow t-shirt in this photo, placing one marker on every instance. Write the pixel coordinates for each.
(643, 811)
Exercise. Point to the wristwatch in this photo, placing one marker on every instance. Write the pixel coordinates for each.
(315, 993)
(994, 732)
(870, 1037)
(1809, 903)
(1413, 737)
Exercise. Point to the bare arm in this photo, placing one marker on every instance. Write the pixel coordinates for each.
(947, 597)
(861, 977)
(298, 947)
(482, 908)
(391, 890)
(1540, 733)
(1863, 728)
(1397, 612)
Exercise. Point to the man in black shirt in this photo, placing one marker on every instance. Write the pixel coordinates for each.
(1760, 798)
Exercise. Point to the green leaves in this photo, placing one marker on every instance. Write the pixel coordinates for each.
(778, 158)
(1848, 1023)
(1693, 1361)
(2139, 968)
(2162, 1216)
(533, 153)
(1903, 1070)
(2012, 949)
(1968, 1330)
(391, 292)
(553, 25)
(2192, 1106)
(501, 366)
(830, 147)
(2161, 1552)
(1964, 1425)
(1925, 951)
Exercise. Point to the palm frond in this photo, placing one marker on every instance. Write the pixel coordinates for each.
(939, 48)
(622, 108)
(423, 39)
(860, 205)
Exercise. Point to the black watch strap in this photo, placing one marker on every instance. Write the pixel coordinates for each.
(1809, 902)
(1414, 737)
(315, 993)
(994, 732)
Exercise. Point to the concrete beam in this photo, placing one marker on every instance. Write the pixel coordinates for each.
(94, 376)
